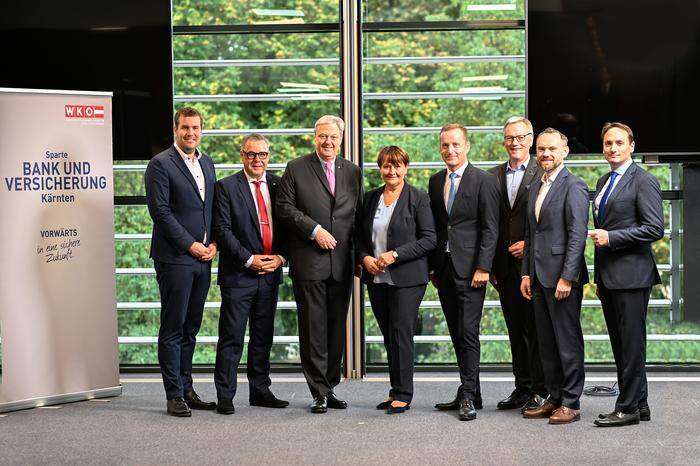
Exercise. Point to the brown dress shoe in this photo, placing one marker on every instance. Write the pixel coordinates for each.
(541, 412)
(564, 415)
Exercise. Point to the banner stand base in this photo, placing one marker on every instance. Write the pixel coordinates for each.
(60, 399)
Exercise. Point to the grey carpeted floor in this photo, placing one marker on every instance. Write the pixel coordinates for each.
(134, 429)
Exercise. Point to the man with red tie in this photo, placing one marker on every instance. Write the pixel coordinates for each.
(250, 272)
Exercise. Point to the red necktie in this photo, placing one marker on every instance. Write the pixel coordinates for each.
(264, 220)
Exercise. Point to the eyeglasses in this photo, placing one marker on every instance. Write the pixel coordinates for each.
(252, 155)
(332, 137)
(520, 138)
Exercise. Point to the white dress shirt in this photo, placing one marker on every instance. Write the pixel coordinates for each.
(195, 169)
(323, 167)
(268, 206)
(547, 181)
(446, 188)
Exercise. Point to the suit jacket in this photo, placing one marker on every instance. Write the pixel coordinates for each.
(554, 246)
(180, 217)
(471, 227)
(304, 200)
(411, 234)
(634, 218)
(511, 225)
(237, 230)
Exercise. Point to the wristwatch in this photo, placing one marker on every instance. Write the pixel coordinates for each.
(395, 254)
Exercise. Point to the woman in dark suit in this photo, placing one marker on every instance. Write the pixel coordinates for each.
(396, 234)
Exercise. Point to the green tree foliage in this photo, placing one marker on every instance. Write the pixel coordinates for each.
(271, 78)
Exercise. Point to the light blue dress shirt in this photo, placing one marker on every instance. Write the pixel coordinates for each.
(513, 179)
(380, 228)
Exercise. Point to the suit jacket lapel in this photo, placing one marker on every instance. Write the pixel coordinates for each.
(315, 163)
(556, 185)
(400, 204)
(249, 201)
(503, 180)
(440, 193)
(374, 202)
(177, 158)
(527, 179)
(621, 184)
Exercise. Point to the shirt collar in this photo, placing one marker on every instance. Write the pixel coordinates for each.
(263, 178)
(323, 162)
(198, 154)
(460, 170)
(550, 178)
(623, 168)
(521, 167)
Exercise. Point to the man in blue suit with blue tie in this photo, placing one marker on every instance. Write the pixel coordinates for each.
(180, 195)
(250, 272)
(629, 217)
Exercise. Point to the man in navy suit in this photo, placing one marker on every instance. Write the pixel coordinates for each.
(554, 272)
(180, 195)
(628, 217)
(250, 272)
(464, 201)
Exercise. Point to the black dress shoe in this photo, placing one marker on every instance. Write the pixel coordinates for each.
(516, 400)
(194, 402)
(268, 400)
(336, 403)
(225, 406)
(384, 405)
(397, 409)
(533, 403)
(320, 405)
(178, 408)
(618, 419)
(467, 411)
(644, 412)
(454, 404)
(449, 405)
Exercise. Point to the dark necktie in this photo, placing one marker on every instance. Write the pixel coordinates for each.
(452, 194)
(604, 200)
(264, 220)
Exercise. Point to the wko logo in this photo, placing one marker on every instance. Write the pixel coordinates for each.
(85, 111)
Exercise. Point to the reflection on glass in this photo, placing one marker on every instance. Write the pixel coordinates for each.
(421, 10)
(198, 12)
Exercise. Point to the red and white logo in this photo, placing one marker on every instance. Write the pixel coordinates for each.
(90, 112)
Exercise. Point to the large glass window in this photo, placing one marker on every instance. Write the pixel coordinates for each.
(275, 68)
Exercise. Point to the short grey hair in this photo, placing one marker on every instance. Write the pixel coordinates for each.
(518, 119)
(254, 137)
(563, 137)
(330, 120)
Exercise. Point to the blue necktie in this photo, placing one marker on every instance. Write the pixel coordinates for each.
(451, 196)
(604, 200)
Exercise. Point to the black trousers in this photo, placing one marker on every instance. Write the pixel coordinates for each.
(561, 343)
(462, 306)
(396, 310)
(183, 291)
(322, 308)
(522, 333)
(257, 303)
(625, 314)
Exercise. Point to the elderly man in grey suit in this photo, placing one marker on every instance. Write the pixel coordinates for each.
(554, 272)
(628, 216)
(318, 202)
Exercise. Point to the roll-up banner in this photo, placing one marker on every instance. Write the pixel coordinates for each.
(58, 323)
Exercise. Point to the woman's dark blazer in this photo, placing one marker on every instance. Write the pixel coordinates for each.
(411, 234)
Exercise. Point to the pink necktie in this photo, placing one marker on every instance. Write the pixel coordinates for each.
(330, 177)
